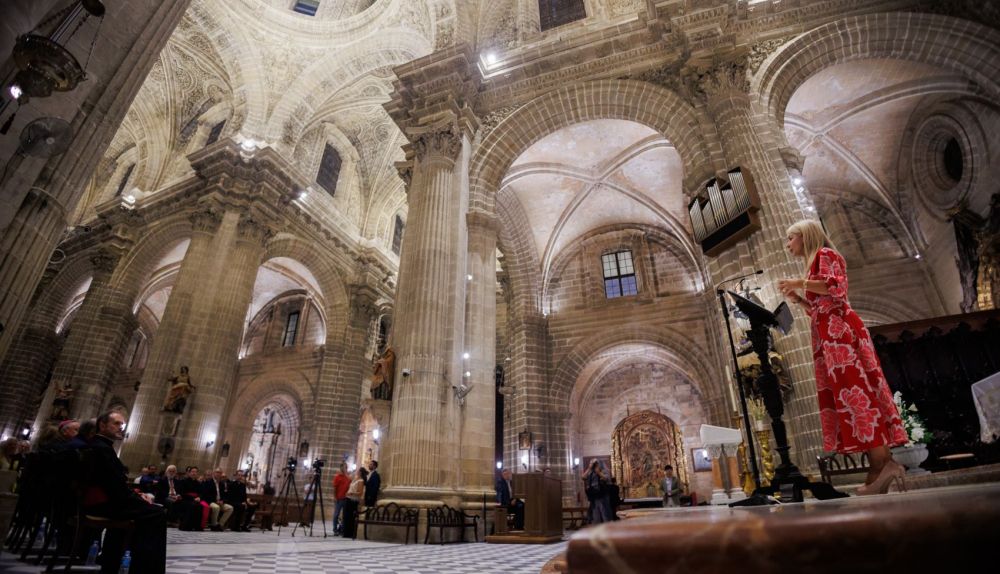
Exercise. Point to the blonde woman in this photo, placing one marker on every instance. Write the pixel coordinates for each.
(856, 407)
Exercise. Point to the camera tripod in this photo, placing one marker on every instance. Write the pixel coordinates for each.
(287, 487)
(315, 489)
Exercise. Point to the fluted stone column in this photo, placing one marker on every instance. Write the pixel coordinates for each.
(95, 346)
(747, 140)
(24, 374)
(338, 393)
(25, 248)
(429, 301)
(478, 414)
(202, 328)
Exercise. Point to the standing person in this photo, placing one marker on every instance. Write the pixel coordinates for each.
(857, 412)
(595, 486)
(354, 496)
(341, 483)
(372, 484)
(673, 488)
(106, 493)
(505, 497)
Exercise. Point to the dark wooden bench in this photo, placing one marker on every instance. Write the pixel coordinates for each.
(263, 517)
(840, 464)
(575, 517)
(448, 517)
(392, 514)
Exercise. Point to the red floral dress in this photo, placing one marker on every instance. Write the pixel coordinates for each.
(855, 403)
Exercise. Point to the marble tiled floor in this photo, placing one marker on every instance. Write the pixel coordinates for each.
(266, 553)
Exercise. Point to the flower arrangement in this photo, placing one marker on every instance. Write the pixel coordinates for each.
(916, 432)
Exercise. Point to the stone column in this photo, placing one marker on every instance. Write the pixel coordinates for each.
(747, 140)
(25, 374)
(96, 343)
(202, 328)
(25, 248)
(338, 393)
(478, 413)
(430, 296)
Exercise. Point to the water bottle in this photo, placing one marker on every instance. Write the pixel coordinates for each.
(126, 562)
(92, 555)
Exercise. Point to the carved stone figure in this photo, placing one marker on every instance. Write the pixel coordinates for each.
(383, 374)
(61, 402)
(180, 389)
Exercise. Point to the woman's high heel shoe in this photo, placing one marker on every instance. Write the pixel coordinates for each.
(891, 472)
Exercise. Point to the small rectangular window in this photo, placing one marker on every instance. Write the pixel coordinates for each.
(307, 7)
(619, 275)
(555, 13)
(329, 169)
(291, 328)
(213, 136)
(124, 180)
(397, 235)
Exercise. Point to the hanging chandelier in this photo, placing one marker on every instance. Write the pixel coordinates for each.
(44, 62)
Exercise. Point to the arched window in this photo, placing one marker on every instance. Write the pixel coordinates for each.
(397, 235)
(329, 169)
(124, 180)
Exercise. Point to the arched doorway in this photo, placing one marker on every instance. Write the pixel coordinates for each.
(641, 445)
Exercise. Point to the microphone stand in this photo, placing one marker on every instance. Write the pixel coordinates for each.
(757, 498)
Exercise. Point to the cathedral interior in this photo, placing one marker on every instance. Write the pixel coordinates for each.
(455, 236)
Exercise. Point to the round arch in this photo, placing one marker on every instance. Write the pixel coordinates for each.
(951, 43)
(641, 102)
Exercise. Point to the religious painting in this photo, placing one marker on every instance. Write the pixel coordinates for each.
(524, 440)
(641, 445)
(702, 461)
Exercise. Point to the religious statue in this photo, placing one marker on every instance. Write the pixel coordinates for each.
(180, 389)
(383, 373)
(61, 403)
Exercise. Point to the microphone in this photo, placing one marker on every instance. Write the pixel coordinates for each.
(738, 277)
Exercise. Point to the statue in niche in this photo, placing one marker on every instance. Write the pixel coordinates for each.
(61, 402)
(180, 389)
(383, 373)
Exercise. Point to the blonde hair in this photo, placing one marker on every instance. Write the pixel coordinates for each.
(813, 239)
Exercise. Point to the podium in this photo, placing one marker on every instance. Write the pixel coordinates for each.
(542, 496)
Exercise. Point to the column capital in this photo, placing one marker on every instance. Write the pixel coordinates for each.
(104, 261)
(439, 141)
(364, 307)
(205, 219)
(482, 222)
(252, 230)
(723, 78)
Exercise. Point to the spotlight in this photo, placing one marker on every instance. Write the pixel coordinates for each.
(465, 355)
(468, 373)
(499, 465)
(249, 144)
(469, 277)
(15, 91)
(491, 58)
(376, 434)
(797, 181)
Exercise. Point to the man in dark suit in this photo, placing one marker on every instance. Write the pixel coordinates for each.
(243, 509)
(106, 493)
(505, 498)
(213, 491)
(373, 484)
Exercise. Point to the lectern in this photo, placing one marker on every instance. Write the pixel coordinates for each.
(542, 496)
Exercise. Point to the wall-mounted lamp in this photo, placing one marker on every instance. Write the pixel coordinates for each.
(499, 465)
(225, 450)
(376, 434)
(209, 444)
(524, 461)
(576, 462)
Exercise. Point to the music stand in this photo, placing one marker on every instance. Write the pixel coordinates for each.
(787, 478)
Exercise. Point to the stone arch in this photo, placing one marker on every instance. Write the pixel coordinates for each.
(687, 359)
(882, 310)
(137, 265)
(641, 102)
(950, 43)
(53, 301)
(328, 273)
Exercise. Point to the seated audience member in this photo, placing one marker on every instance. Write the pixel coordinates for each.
(243, 508)
(106, 493)
(84, 435)
(213, 491)
(505, 497)
(197, 514)
(10, 458)
(49, 440)
(148, 482)
(142, 474)
(167, 495)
